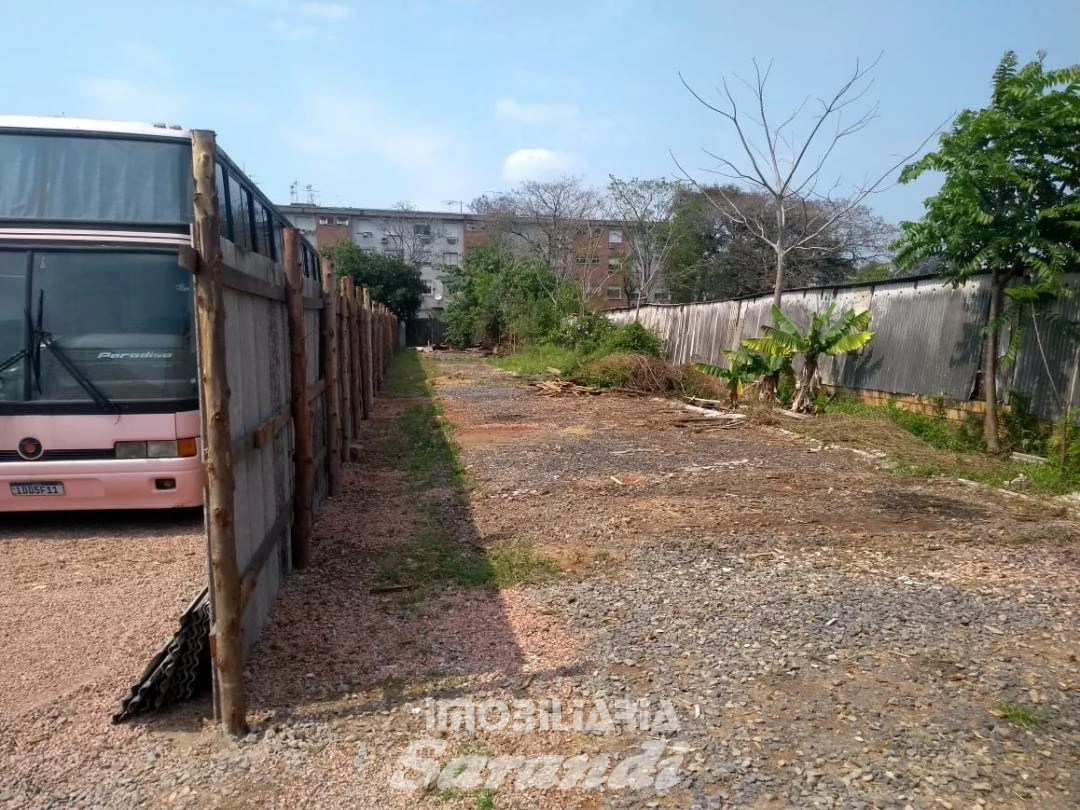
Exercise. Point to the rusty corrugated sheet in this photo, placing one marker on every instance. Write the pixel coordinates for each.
(1047, 358)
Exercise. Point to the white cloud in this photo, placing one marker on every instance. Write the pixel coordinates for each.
(300, 21)
(539, 164)
(507, 109)
(124, 99)
(292, 31)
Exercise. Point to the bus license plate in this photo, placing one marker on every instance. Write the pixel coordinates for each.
(38, 488)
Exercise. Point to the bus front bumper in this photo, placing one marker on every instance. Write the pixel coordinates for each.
(165, 483)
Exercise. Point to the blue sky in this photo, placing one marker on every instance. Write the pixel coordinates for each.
(374, 102)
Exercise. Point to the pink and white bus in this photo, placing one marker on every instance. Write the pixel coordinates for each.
(99, 401)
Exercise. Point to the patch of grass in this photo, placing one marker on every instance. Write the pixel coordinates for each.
(439, 555)
(922, 445)
(1018, 715)
(520, 563)
(436, 555)
(429, 451)
(485, 799)
(533, 361)
(407, 375)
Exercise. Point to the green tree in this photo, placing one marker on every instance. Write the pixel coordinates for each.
(827, 335)
(499, 295)
(391, 281)
(1008, 205)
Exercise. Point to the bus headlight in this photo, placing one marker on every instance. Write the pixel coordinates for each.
(161, 449)
(178, 448)
(130, 449)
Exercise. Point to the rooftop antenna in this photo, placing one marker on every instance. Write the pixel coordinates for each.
(450, 205)
(310, 189)
(294, 192)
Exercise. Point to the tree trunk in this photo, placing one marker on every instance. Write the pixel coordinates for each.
(990, 366)
(637, 310)
(781, 252)
(807, 385)
(768, 387)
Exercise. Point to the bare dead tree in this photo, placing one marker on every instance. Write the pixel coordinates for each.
(411, 235)
(789, 171)
(549, 218)
(645, 209)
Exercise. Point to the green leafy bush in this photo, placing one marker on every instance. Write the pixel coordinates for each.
(633, 338)
(582, 333)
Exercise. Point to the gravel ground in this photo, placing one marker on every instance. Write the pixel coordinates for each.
(828, 634)
(85, 600)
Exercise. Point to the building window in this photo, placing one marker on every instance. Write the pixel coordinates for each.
(614, 262)
(614, 293)
(476, 226)
(341, 220)
(421, 229)
(429, 288)
(450, 257)
(451, 240)
(614, 236)
(661, 297)
(587, 259)
(324, 220)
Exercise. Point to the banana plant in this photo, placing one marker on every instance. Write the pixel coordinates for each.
(827, 335)
(737, 375)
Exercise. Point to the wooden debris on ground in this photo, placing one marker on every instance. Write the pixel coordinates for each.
(710, 404)
(557, 388)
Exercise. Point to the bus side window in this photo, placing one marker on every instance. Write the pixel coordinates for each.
(262, 235)
(240, 210)
(278, 245)
(223, 203)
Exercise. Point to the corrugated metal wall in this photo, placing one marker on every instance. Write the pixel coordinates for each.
(928, 338)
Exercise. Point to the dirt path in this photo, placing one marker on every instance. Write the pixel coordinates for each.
(805, 629)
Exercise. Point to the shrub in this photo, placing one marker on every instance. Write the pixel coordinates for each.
(633, 338)
(646, 375)
(583, 333)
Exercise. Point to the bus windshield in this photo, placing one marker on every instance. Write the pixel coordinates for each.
(95, 326)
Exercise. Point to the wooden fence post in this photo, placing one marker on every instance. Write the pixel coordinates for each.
(330, 368)
(303, 454)
(226, 635)
(369, 374)
(346, 354)
(357, 354)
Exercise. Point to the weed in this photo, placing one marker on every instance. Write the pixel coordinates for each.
(1023, 716)
(485, 799)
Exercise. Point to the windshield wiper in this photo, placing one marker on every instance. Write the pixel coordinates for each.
(43, 338)
(21, 354)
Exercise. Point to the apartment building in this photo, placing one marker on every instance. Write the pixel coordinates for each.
(429, 240)
(598, 255)
(433, 240)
